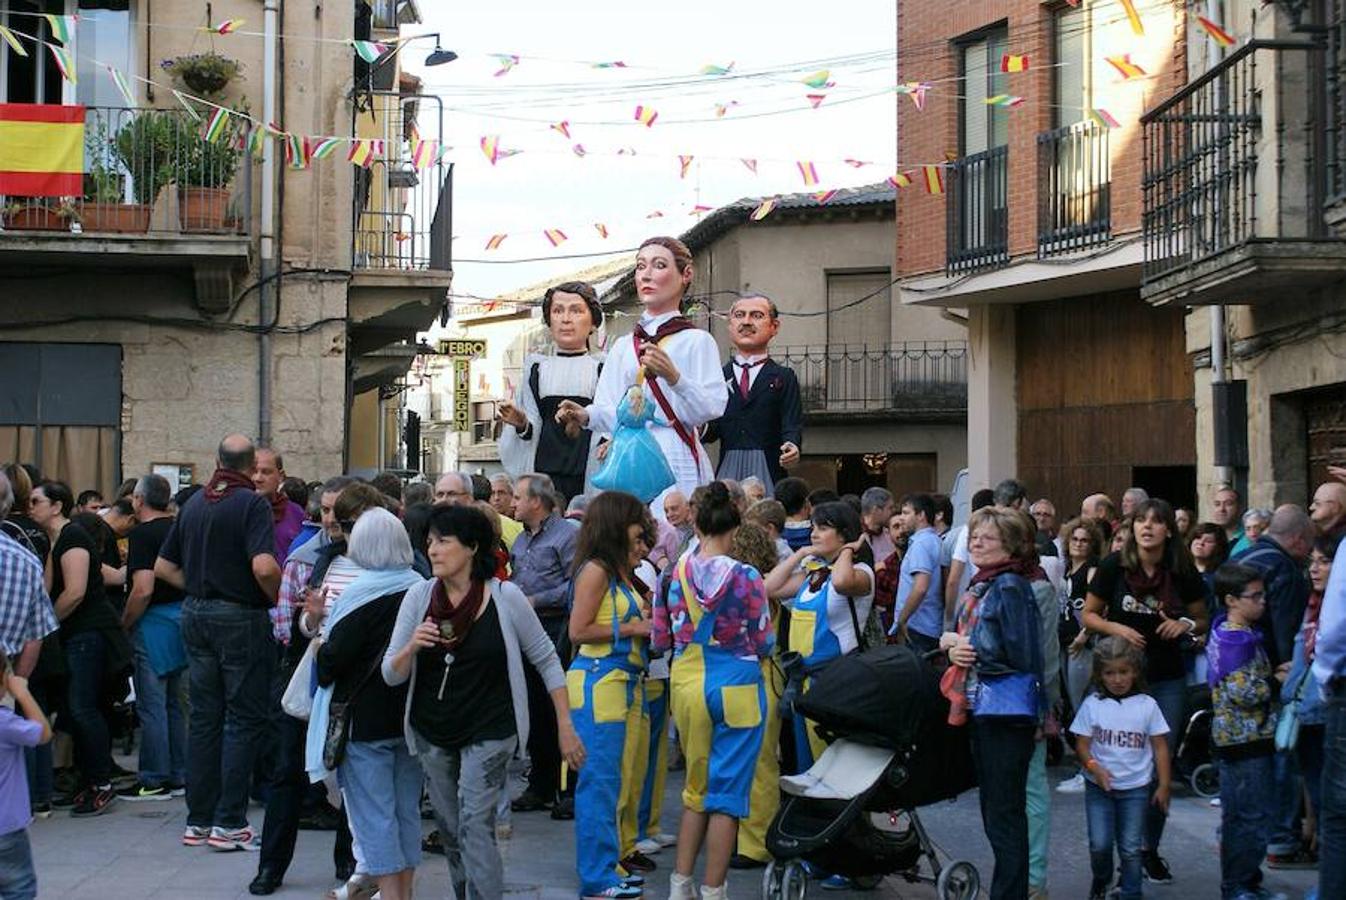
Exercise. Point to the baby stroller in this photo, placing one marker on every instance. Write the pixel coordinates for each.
(1194, 760)
(853, 813)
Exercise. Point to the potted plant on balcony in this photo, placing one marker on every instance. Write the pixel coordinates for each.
(147, 147)
(102, 208)
(32, 216)
(204, 172)
(203, 73)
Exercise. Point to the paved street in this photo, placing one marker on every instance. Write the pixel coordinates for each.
(134, 851)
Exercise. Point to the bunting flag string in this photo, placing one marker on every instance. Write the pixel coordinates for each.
(1215, 32)
(216, 125)
(808, 172)
(556, 236)
(495, 241)
(684, 163)
(228, 26)
(717, 70)
(425, 154)
(65, 63)
(322, 148)
(819, 80)
(646, 116)
(254, 143)
(601, 229)
(1004, 100)
(1125, 67)
(563, 127)
(916, 91)
(490, 145)
(855, 163)
(722, 108)
(823, 197)
(1137, 26)
(751, 165)
(13, 41)
(934, 179)
(191, 110)
(900, 180)
(579, 150)
(369, 51)
(62, 27)
(297, 151)
(615, 64)
(700, 209)
(1104, 118)
(815, 100)
(655, 215)
(507, 62)
(764, 209)
(1014, 62)
(123, 87)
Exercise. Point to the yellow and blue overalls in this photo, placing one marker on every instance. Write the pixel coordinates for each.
(719, 705)
(604, 687)
(811, 636)
(652, 750)
(765, 798)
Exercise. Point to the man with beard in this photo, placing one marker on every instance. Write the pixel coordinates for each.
(531, 440)
(761, 429)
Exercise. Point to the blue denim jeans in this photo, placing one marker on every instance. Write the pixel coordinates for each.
(18, 878)
(38, 759)
(381, 784)
(1247, 807)
(1332, 814)
(1171, 697)
(1286, 822)
(86, 658)
(163, 729)
(230, 658)
(1116, 818)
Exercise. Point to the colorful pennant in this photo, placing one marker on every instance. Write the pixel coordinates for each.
(425, 154)
(1125, 67)
(1137, 26)
(750, 164)
(1216, 33)
(716, 70)
(297, 152)
(808, 172)
(700, 209)
(191, 110)
(556, 236)
(562, 127)
(916, 90)
(824, 196)
(934, 179)
(1004, 100)
(815, 100)
(123, 86)
(764, 209)
(495, 241)
(507, 62)
(684, 163)
(228, 26)
(722, 108)
(490, 145)
(579, 150)
(601, 229)
(12, 41)
(255, 141)
(900, 180)
(363, 152)
(855, 163)
(1014, 62)
(216, 125)
(615, 64)
(655, 215)
(321, 148)
(646, 116)
(1104, 118)
(62, 27)
(818, 80)
(65, 62)
(369, 51)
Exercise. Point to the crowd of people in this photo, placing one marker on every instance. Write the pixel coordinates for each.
(376, 652)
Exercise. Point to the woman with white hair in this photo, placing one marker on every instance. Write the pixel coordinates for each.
(378, 767)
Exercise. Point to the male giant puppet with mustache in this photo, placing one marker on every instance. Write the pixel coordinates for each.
(761, 429)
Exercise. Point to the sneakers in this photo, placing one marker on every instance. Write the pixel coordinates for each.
(1072, 785)
(665, 839)
(1303, 858)
(195, 836)
(564, 810)
(227, 839)
(73, 798)
(41, 810)
(1155, 868)
(681, 887)
(638, 862)
(616, 892)
(94, 802)
(648, 846)
(837, 883)
(139, 793)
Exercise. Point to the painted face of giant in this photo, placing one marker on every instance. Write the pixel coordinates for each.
(751, 325)
(571, 321)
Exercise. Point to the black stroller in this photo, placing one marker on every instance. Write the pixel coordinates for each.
(854, 812)
(1194, 759)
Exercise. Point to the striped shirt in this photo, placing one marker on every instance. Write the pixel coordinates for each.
(26, 612)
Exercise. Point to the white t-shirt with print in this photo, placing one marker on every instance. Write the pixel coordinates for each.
(1119, 733)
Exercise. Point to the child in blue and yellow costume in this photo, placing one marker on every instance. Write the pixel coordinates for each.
(828, 587)
(714, 614)
(609, 626)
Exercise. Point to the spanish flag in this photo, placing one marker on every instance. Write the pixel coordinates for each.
(41, 150)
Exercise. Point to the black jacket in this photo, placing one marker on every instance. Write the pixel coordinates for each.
(772, 415)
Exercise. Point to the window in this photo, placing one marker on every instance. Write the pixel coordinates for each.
(853, 321)
(984, 127)
(1072, 74)
(103, 33)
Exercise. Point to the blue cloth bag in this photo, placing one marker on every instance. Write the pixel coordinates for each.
(161, 630)
(635, 464)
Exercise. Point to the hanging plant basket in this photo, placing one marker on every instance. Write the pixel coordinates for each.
(203, 73)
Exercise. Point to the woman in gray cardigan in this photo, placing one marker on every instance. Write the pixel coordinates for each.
(461, 639)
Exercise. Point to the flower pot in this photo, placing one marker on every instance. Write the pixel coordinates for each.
(36, 218)
(202, 209)
(205, 82)
(121, 218)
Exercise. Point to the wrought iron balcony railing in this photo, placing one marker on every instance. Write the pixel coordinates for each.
(1074, 189)
(146, 170)
(977, 221)
(403, 213)
(1234, 178)
(911, 378)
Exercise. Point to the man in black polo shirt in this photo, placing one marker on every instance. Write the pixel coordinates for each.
(221, 553)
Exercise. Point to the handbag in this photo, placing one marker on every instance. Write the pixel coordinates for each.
(1287, 727)
(339, 720)
(297, 700)
(1013, 695)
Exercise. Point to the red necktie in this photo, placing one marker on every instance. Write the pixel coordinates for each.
(743, 381)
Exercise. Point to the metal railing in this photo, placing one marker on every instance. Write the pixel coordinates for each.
(146, 170)
(1235, 156)
(402, 213)
(977, 221)
(1074, 189)
(913, 377)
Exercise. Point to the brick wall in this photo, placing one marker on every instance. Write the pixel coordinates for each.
(928, 51)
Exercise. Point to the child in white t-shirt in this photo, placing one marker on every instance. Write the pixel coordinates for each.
(1121, 742)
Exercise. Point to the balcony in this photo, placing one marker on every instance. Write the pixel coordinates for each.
(155, 195)
(1234, 182)
(1074, 189)
(925, 380)
(977, 223)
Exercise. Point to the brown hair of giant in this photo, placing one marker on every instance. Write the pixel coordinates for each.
(682, 257)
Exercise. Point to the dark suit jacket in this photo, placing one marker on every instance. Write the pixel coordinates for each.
(772, 415)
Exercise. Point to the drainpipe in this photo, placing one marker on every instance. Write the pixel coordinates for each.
(1219, 372)
(266, 294)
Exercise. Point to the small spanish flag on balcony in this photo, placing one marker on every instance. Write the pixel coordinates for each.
(1014, 62)
(41, 150)
(934, 179)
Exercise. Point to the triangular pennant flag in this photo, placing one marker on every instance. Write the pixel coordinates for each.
(13, 41)
(700, 209)
(217, 125)
(506, 154)
(627, 151)
(507, 62)
(751, 165)
(916, 91)
(369, 51)
(684, 163)
(1137, 26)
(1014, 62)
(1125, 67)
(191, 110)
(818, 79)
(1104, 118)
(272, 129)
(490, 145)
(655, 215)
(646, 116)
(228, 26)
(65, 62)
(934, 179)
(900, 180)
(823, 196)
(424, 154)
(255, 141)
(321, 147)
(556, 236)
(722, 108)
(361, 152)
(1217, 34)
(855, 163)
(717, 70)
(1004, 100)
(764, 209)
(808, 172)
(62, 27)
(123, 87)
(563, 128)
(815, 100)
(579, 150)
(495, 241)
(601, 229)
(615, 64)
(297, 152)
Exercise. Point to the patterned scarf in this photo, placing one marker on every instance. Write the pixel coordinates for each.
(455, 621)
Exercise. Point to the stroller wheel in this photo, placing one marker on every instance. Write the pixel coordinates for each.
(1205, 780)
(771, 882)
(958, 881)
(794, 881)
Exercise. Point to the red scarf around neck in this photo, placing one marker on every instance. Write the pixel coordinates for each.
(224, 482)
(280, 504)
(455, 621)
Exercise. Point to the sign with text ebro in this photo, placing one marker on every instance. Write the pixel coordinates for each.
(462, 353)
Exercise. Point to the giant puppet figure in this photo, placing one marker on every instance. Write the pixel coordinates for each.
(675, 364)
(761, 429)
(531, 439)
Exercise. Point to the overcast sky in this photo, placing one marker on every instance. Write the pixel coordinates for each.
(548, 186)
